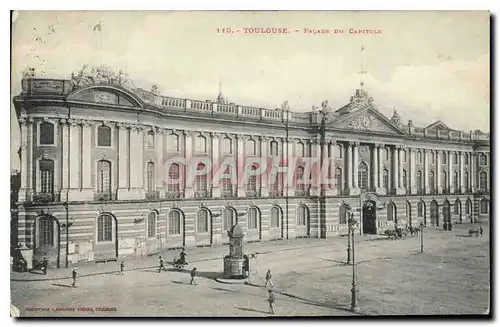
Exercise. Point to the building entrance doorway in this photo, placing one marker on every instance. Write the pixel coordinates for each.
(369, 218)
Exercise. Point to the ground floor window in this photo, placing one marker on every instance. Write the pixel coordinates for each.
(275, 217)
(174, 222)
(202, 221)
(104, 228)
(483, 207)
(46, 231)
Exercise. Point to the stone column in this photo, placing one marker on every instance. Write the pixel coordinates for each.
(291, 167)
(240, 162)
(64, 160)
(87, 193)
(188, 153)
(438, 172)
(426, 172)
(326, 167)
(315, 154)
(264, 177)
(381, 159)
(355, 164)
(24, 193)
(395, 169)
(159, 171)
(74, 160)
(412, 171)
(137, 162)
(450, 171)
(349, 166)
(331, 189)
(123, 162)
(375, 172)
(401, 166)
(472, 158)
(462, 174)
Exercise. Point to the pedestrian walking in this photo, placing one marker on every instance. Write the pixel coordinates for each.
(45, 263)
(271, 299)
(480, 230)
(193, 275)
(122, 267)
(74, 277)
(162, 265)
(269, 278)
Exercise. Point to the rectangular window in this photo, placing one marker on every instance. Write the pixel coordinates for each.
(103, 176)
(46, 176)
(174, 223)
(104, 136)
(152, 225)
(150, 177)
(274, 148)
(46, 133)
(104, 229)
(202, 222)
(275, 213)
(173, 142)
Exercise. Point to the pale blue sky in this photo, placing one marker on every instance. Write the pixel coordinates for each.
(429, 65)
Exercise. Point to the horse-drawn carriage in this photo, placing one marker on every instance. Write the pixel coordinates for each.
(401, 232)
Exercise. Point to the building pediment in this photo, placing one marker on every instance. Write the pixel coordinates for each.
(105, 94)
(367, 120)
(438, 125)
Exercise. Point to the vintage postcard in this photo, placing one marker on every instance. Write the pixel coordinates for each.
(250, 163)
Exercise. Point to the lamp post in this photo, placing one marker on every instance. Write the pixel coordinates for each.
(354, 296)
(65, 204)
(349, 250)
(421, 237)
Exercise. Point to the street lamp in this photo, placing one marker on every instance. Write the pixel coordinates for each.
(421, 237)
(354, 296)
(349, 250)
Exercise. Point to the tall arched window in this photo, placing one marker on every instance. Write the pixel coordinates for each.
(443, 157)
(228, 218)
(150, 177)
(174, 222)
(47, 133)
(444, 179)
(274, 148)
(251, 148)
(202, 222)
(391, 212)
(343, 215)
(275, 217)
(299, 179)
(46, 176)
(301, 216)
(420, 184)
(466, 181)
(419, 157)
(152, 224)
(385, 179)
(483, 207)
(339, 180)
(150, 140)
(482, 159)
(483, 180)
(173, 178)
(103, 135)
(432, 186)
(105, 228)
(252, 180)
(466, 158)
(363, 176)
(420, 209)
(227, 186)
(173, 142)
(456, 208)
(405, 180)
(201, 144)
(201, 180)
(104, 177)
(227, 145)
(253, 218)
(46, 231)
(455, 181)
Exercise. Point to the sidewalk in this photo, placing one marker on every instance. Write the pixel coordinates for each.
(194, 255)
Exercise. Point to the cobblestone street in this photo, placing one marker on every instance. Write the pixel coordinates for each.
(310, 277)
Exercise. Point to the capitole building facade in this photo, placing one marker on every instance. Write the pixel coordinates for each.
(95, 185)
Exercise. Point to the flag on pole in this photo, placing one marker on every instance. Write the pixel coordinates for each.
(97, 27)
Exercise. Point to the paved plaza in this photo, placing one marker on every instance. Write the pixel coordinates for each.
(310, 279)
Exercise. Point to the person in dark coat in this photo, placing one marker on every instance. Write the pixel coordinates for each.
(271, 299)
(74, 277)
(480, 230)
(45, 263)
(193, 275)
(162, 265)
(122, 267)
(182, 257)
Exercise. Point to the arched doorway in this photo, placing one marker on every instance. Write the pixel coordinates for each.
(176, 229)
(369, 217)
(47, 239)
(254, 224)
(106, 244)
(434, 213)
(204, 228)
(457, 210)
(276, 223)
(408, 213)
(302, 226)
(421, 214)
(446, 213)
(468, 210)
